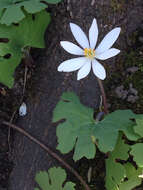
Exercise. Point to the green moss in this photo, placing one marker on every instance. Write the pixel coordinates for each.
(130, 58)
(133, 58)
(117, 5)
(121, 77)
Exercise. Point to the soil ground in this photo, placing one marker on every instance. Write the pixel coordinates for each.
(124, 87)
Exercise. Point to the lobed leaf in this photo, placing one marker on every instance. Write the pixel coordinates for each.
(12, 11)
(53, 179)
(107, 130)
(121, 176)
(115, 171)
(81, 132)
(132, 174)
(29, 33)
(76, 131)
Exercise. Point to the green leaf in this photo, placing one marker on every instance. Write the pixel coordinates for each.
(76, 131)
(52, 1)
(84, 143)
(139, 127)
(132, 175)
(107, 130)
(121, 149)
(121, 176)
(137, 152)
(29, 33)
(69, 186)
(53, 179)
(33, 6)
(115, 171)
(12, 12)
(81, 132)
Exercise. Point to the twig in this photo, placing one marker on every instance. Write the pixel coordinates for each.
(11, 120)
(103, 96)
(25, 79)
(27, 60)
(49, 151)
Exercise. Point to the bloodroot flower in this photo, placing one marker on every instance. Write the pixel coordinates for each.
(89, 54)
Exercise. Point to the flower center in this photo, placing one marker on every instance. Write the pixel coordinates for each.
(89, 53)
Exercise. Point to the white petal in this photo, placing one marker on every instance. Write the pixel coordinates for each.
(107, 54)
(108, 40)
(72, 64)
(79, 35)
(98, 69)
(93, 34)
(84, 71)
(23, 109)
(72, 48)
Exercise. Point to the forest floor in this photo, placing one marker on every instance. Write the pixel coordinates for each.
(123, 86)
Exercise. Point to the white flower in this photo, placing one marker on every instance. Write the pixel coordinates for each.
(89, 53)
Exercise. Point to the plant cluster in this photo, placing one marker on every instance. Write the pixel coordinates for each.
(118, 134)
(22, 26)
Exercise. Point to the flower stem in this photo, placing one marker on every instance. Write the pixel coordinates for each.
(103, 96)
(47, 149)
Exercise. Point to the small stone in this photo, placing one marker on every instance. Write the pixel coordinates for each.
(121, 93)
(132, 98)
(133, 90)
(141, 39)
(132, 69)
(23, 109)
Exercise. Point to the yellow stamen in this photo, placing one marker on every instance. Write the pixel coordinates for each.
(89, 53)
